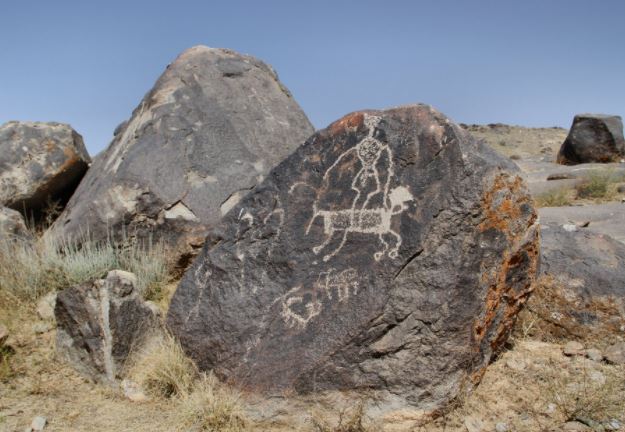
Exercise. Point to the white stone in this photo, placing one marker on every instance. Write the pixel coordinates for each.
(38, 423)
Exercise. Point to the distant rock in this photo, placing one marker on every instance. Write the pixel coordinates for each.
(388, 256)
(12, 225)
(45, 306)
(39, 163)
(98, 323)
(573, 348)
(593, 138)
(210, 129)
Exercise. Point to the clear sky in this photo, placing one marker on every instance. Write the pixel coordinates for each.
(526, 62)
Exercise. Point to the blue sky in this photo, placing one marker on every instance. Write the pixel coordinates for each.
(529, 62)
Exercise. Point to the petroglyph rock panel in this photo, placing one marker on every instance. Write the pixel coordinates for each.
(208, 131)
(387, 257)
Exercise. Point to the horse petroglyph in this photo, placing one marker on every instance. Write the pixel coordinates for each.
(369, 184)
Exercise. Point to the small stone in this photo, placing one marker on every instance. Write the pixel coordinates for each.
(575, 426)
(569, 227)
(133, 392)
(41, 327)
(38, 423)
(45, 306)
(613, 425)
(621, 188)
(573, 348)
(516, 364)
(501, 427)
(4, 334)
(474, 424)
(583, 224)
(594, 354)
(615, 354)
(597, 377)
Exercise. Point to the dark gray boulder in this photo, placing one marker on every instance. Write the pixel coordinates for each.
(12, 225)
(593, 138)
(210, 129)
(39, 163)
(99, 323)
(588, 274)
(388, 256)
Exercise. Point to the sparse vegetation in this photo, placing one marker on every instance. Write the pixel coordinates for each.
(599, 185)
(163, 370)
(30, 270)
(554, 198)
(211, 406)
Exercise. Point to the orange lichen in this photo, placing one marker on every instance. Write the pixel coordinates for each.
(350, 121)
(522, 237)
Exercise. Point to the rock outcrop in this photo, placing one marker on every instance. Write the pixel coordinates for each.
(588, 280)
(12, 225)
(209, 130)
(100, 322)
(39, 163)
(386, 258)
(593, 138)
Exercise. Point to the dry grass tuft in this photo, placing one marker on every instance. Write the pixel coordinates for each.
(211, 406)
(163, 370)
(554, 198)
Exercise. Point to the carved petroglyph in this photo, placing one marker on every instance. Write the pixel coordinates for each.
(345, 283)
(293, 318)
(274, 220)
(368, 183)
(337, 286)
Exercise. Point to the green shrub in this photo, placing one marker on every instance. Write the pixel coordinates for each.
(595, 185)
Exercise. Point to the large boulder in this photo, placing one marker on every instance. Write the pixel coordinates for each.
(208, 132)
(593, 138)
(12, 225)
(99, 323)
(388, 256)
(39, 163)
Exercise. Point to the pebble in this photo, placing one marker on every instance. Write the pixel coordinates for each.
(516, 364)
(45, 306)
(615, 354)
(573, 348)
(38, 423)
(551, 408)
(597, 377)
(594, 354)
(133, 392)
(41, 327)
(501, 427)
(474, 424)
(569, 227)
(575, 426)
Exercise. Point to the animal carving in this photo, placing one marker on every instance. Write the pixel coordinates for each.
(366, 221)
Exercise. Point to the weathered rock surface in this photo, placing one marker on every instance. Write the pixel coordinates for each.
(388, 256)
(12, 225)
(98, 323)
(587, 270)
(589, 263)
(606, 218)
(615, 354)
(208, 132)
(593, 138)
(39, 162)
